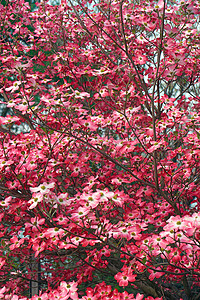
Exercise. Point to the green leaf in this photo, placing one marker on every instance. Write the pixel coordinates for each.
(144, 260)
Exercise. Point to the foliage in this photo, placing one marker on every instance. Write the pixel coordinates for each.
(102, 184)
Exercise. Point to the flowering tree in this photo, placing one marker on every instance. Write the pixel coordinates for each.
(101, 186)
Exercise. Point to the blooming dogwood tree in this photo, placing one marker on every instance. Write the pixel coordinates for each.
(101, 184)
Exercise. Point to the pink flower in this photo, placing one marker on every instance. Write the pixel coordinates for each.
(6, 201)
(155, 145)
(139, 297)
(81, 212)
(81, 95)
(44, 296)
(15, 242)
(139, 58)
(159, 5)
(89, 295)
(2, 263)
(35, 200)
(4, 163)
(14, 87)
(124, 278)
(155, 274)
(2, 291)
(43, 188)
(38, 248)
(68, 289)
(35, 224)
